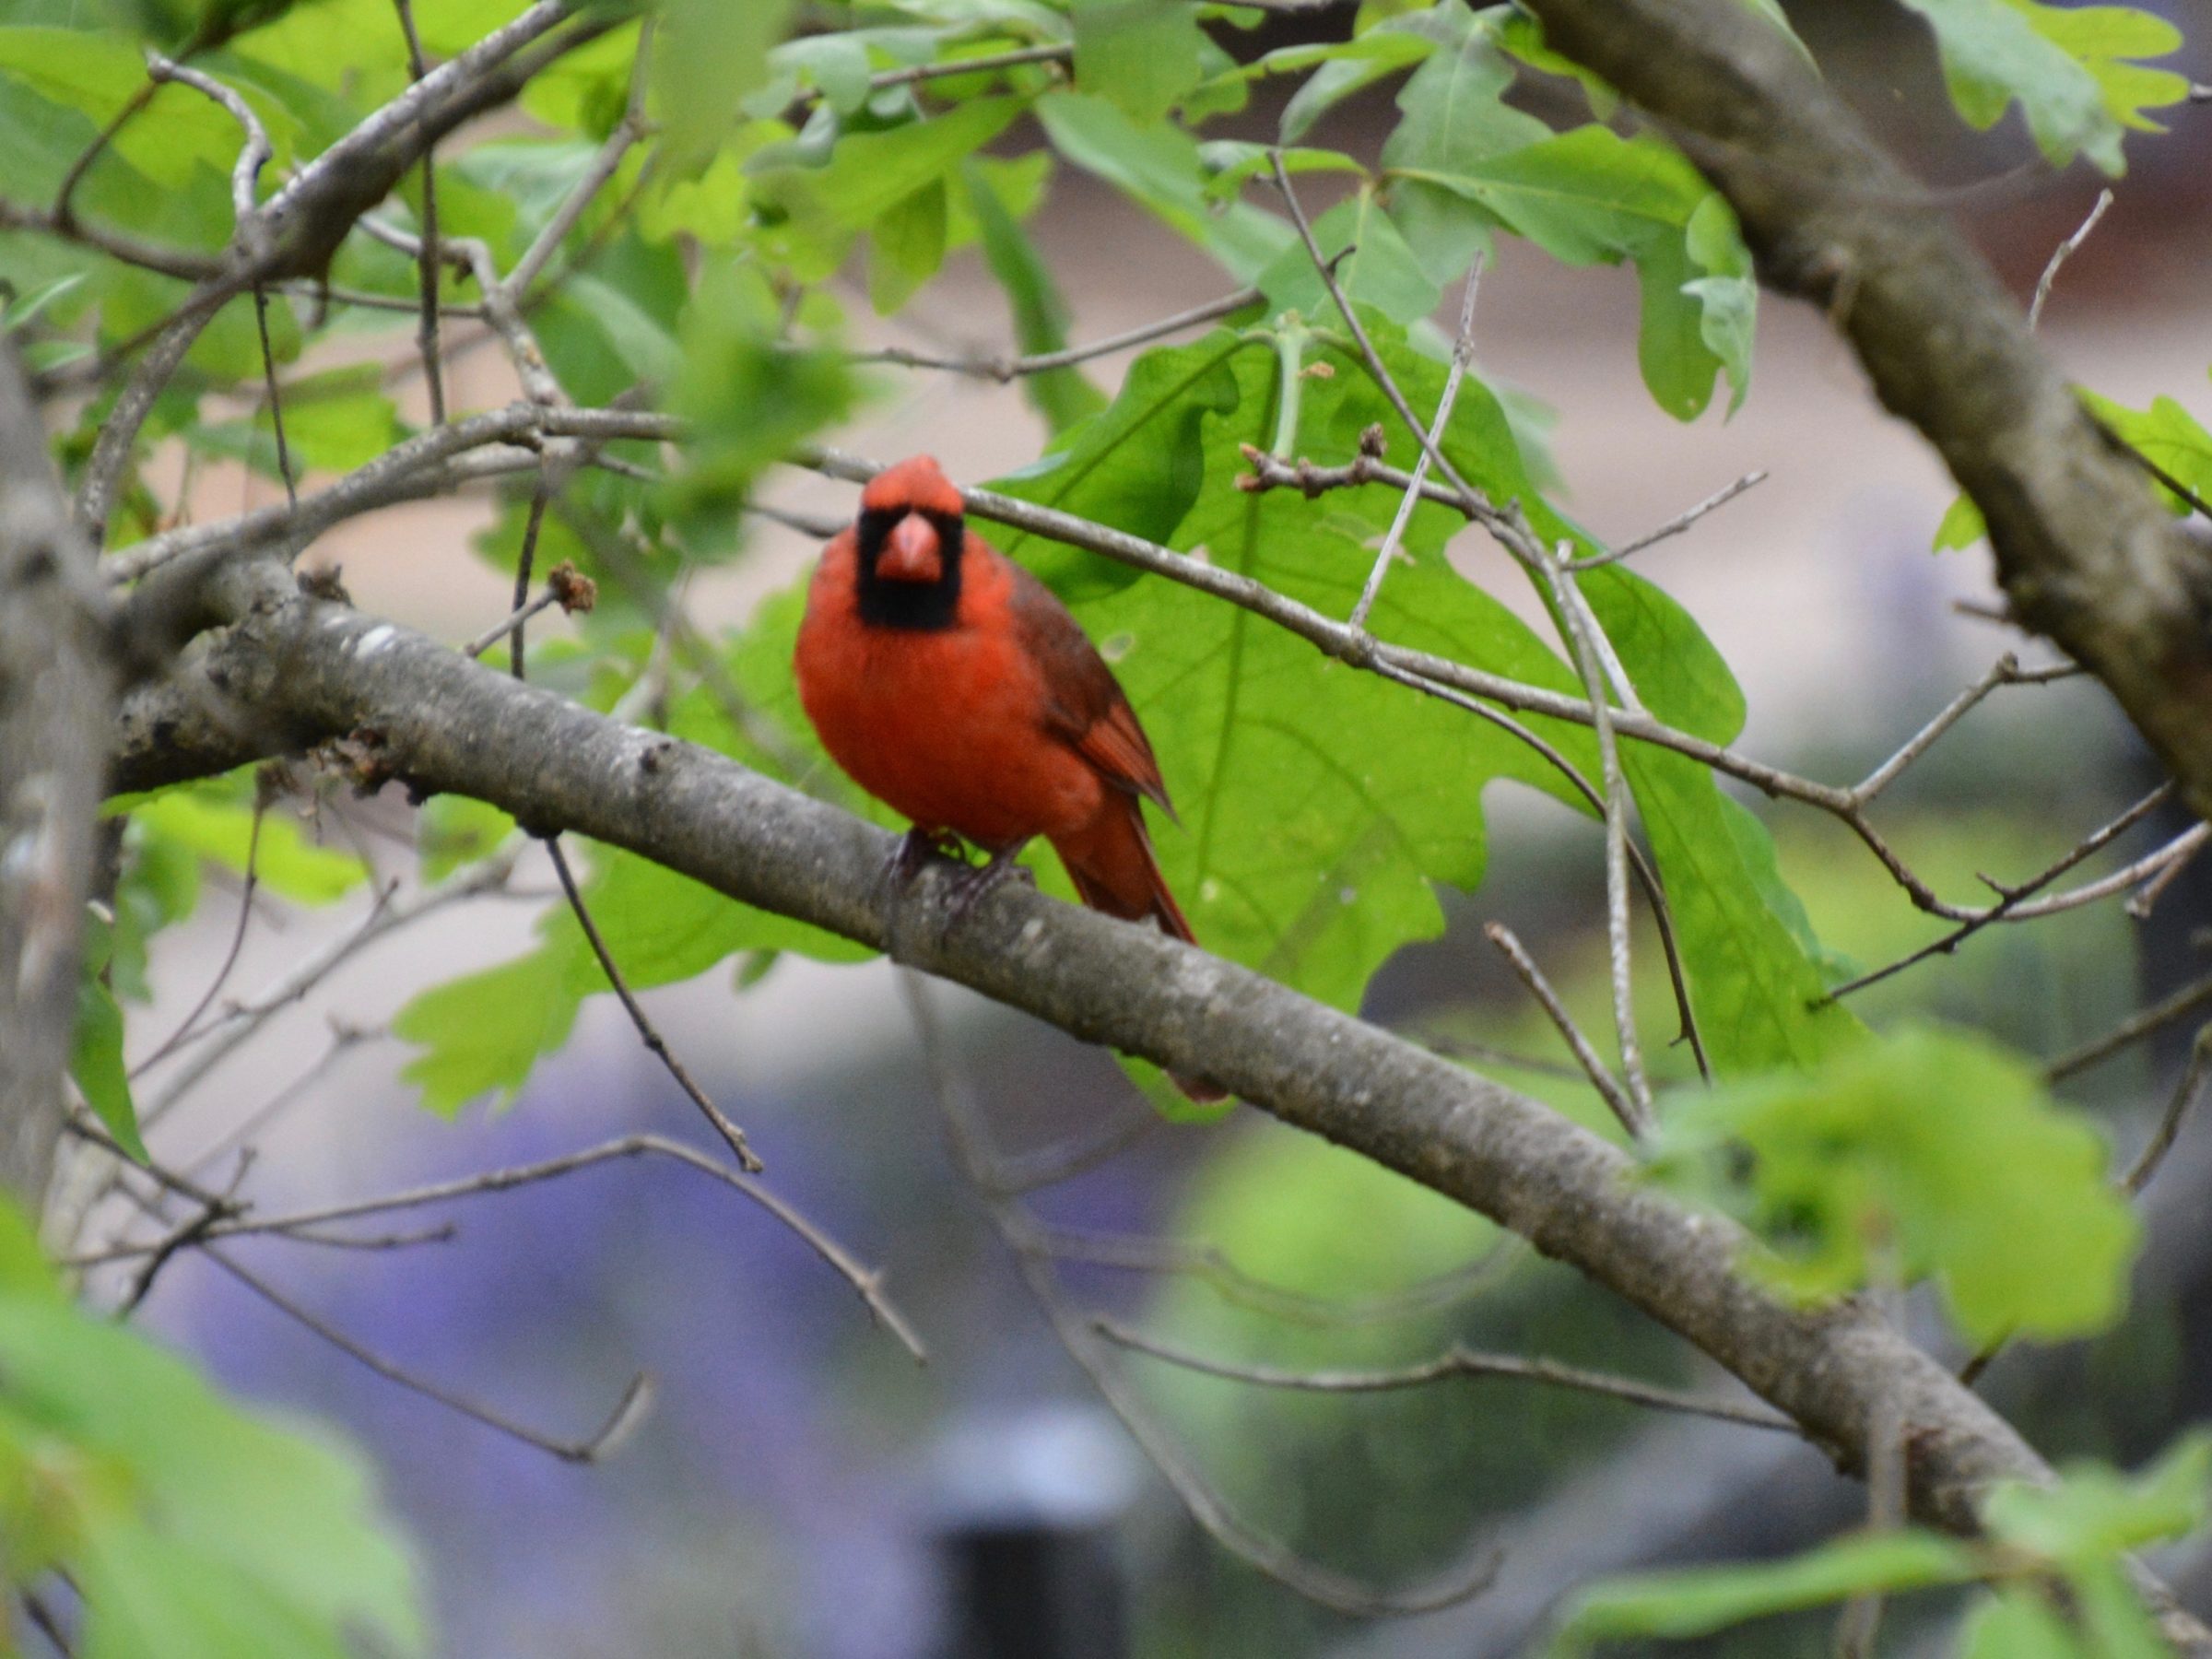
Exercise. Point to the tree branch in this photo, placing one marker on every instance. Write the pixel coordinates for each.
(441, 723)
(57, 696)
(2084, 550)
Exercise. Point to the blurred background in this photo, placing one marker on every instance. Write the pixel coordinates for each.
(799, 1484)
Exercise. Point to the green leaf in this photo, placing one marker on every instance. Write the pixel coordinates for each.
(2074, 71)
(2015, 1624)
(706, 54)
(452, 831)
(1062, 395)
(480, 1034)
(332, 422)
(190, 1526)
(209, 820)
(749, 396)
(870, 174)
(1378, 270)
(1344, 69)
(1319, 808)
(1160, 167)
(2166, 435)
(1961, 526)
(1699, 1601)
(1883, 1152)
(1142, 54)
(2095, 1514)
(95, 1058)
(1590, 197)
(180, 131)
(906, 246)
(1137, 467)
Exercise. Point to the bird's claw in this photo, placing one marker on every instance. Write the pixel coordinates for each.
(971, 884)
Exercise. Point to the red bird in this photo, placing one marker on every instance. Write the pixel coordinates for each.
(952, 686)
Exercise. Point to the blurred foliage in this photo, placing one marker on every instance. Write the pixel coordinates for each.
(185, 1525)
(2076, 1533)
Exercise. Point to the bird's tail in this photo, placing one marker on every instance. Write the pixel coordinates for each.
(1111, 862)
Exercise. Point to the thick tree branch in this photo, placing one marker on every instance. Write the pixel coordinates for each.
(441, 723)
(57, 696)
(2084, 548)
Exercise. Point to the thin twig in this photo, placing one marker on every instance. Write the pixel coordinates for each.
(1456, 1361)
(1025, 1242)
(2060, 254)
(387, 915)
(1209, 1267)
(1583, 634)
(1628, 1110)
(183, 1031)
(2016, 903)
(629, 1412)
(2004, 671)
(276, 400)
(63, 210)
(865, 1282)
(426, 266)
(1471, 500)
(509, 628)
(2131, 1030)
(604, 166)
(733, 1136)
(1005, 368)
(524, 561)
(978, 64)
(245, 174)
(2169, 1122)
(1462, 354)
(1674, 527)
(344, 1039)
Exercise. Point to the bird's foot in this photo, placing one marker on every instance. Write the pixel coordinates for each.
(969, 885)
(909, 855)
(912, 852)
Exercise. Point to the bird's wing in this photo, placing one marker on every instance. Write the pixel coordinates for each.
(1086, 705)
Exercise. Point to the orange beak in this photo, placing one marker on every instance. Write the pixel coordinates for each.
(911, 552)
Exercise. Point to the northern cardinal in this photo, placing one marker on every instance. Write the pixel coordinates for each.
(952, 686)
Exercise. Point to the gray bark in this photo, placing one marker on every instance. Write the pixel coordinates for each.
(57, 698)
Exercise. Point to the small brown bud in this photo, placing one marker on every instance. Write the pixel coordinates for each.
(1373, 442)
(572, 590)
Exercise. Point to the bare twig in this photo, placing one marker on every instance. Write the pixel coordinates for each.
(2016, 903)
(509, 628)
(1005, 368)
(1584, 637)
(275, 398)
(2064, 251)
(604, 166)
(981, 63)
(1456, 1361)
(2184, 1095)
(386, 914)
(2131, 1030)
(426, 266)
(1462, 354)
(627, 1413)
(733, 1136)
(865, 1281)
(1674, 527)
(1031, 1257)
(245, 174)
(1631, 1113)
(183, 1031)
(1206, 1264)
(344, 1039)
